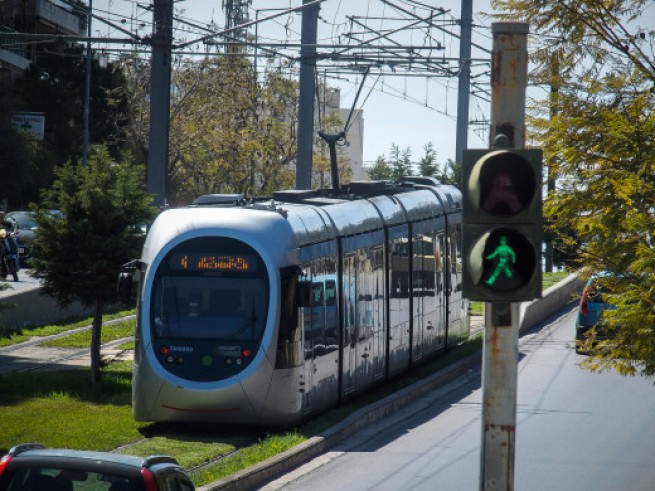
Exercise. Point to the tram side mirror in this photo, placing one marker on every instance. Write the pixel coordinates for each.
(124, 286)
(304, 293)
(127, 278)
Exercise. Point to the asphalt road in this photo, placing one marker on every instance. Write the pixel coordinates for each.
(576, 431)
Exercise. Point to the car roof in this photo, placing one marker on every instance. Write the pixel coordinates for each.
(91, 456)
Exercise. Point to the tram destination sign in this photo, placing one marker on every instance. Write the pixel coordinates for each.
(198, 261)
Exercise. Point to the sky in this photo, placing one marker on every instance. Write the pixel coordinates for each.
(407, 110)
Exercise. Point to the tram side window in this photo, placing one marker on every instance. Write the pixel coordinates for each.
(455, 257)
(424, 264)
(330, 293)
(438, 260)
(289, 338)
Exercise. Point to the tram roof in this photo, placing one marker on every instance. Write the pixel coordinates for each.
(358, 207)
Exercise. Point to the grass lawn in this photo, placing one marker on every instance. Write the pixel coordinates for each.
(62, 409)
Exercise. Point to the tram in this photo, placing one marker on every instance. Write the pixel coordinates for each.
(268, 312)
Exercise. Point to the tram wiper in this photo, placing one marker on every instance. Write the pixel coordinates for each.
(246, 325)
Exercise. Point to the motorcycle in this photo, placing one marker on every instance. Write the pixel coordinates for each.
(8, 255)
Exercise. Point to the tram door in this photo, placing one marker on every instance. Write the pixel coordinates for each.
(320, 324)
(457, 328)
(363, 312)
(428, 310)
(398, 298)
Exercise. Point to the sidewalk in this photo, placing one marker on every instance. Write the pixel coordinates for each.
(30, 356)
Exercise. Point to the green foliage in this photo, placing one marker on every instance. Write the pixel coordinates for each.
(230, 131)
(597, 129)
(79, 253)
(452, 173)
(400, 164)
(79, 415)
(380, 171)
(110, 332)
(428, 165)
(55, 86)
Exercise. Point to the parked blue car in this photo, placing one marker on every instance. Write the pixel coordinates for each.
(592, 307)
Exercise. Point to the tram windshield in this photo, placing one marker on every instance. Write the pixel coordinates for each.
(201, 295)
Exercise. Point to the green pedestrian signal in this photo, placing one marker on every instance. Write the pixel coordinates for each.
(502, 225)
(504, 253)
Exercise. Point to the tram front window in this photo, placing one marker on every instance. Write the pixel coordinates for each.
(200, 295)
(216, 308)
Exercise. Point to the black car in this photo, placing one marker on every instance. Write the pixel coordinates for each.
(33, 467)
(24, 226)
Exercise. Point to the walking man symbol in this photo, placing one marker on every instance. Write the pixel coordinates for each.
(504, 254)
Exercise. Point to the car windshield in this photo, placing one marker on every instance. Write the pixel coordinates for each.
(65, 479)
(25, 221)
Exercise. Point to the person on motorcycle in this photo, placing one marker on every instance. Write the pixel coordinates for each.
(8, 250)
(4, 223)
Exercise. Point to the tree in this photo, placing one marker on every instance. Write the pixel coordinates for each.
(229, 133)
(79, 253)
(452, 173)
(55, 86)
(400, 162)
(381, 170)
(428, 165)
(597, 129)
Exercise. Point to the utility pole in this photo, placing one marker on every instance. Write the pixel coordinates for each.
(464, 79)
(236, 15)
(500, 351)
(87, 87)
(160, 95)
(307, 89)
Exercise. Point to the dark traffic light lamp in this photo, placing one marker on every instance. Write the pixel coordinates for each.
(502, 224)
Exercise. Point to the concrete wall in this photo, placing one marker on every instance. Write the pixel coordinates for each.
(554, 298)
(33, 309)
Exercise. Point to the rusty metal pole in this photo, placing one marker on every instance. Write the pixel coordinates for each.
(500, 352)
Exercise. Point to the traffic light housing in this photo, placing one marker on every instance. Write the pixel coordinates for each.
(502, 224)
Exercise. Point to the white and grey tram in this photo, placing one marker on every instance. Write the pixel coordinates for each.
(268, 312)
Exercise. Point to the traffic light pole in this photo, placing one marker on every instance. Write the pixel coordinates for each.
(500, 351)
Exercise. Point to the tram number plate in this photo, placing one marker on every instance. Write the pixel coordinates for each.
(227, 350)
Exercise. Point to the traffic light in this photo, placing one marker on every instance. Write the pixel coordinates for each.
(502, 224)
